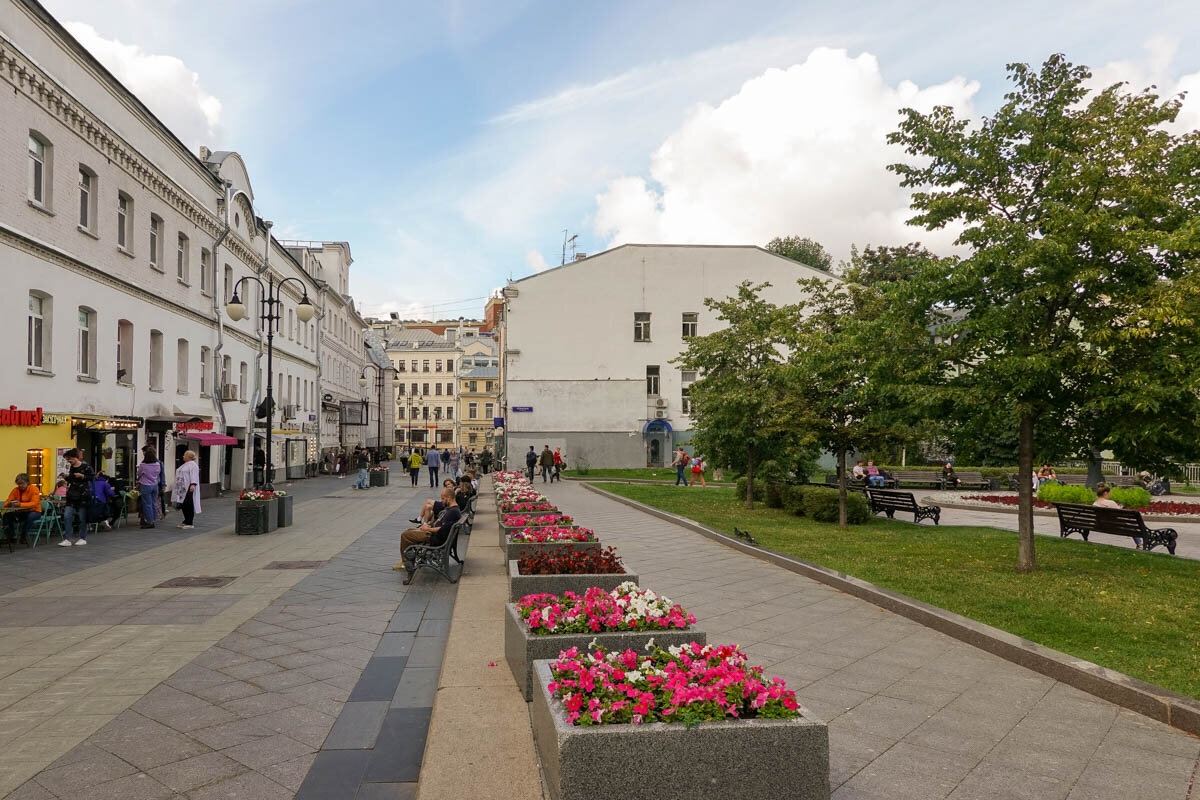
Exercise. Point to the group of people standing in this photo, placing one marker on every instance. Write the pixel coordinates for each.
(551, 462)
(682, 462)
(455, 461)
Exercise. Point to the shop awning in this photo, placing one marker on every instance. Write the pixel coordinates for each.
(206, 439)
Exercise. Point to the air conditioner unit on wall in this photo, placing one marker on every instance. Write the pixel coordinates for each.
(660, 413)
(229, 391)
(660, 402)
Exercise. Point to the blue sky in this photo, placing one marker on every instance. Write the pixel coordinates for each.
(452, 142)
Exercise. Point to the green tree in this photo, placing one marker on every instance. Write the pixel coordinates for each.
(735, 400)
(1077, 211)
(802, 249)
(884, 264)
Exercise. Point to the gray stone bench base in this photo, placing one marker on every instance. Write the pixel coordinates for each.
(520, 585)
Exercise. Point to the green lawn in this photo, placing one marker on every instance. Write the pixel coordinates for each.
(1127, 610)
(644, 473)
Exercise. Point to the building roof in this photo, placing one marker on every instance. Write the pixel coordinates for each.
(480, 372)
(375, 352)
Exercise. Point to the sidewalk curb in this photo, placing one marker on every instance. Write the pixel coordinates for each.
(1123, 690)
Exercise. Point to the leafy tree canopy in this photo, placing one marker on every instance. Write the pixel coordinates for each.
(802, 249)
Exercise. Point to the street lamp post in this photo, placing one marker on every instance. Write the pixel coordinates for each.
(409, 399)
(270, 306)
(362, 382)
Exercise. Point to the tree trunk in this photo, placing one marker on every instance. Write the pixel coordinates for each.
(1094, 475)
(750, 478)
(841, 470)
(1026, 560)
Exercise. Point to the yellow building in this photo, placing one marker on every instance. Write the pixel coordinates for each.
(478, 392)
(30, 442)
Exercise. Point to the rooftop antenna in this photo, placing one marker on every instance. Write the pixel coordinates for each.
(568, 241)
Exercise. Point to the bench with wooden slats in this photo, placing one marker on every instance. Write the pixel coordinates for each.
(890, 502)
(967, 478)
(1081, 519)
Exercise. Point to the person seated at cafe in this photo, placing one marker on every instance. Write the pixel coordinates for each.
(432, 508)
(950, 480)
(26, 497)
(434, 534)
(60, 487)
(104, 502)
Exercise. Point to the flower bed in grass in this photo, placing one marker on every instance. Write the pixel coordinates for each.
(1172, 507)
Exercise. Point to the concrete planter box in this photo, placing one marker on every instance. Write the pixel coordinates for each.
(378, 477)
(520, 585)
(500, 513)
(504, 531)
(514, 549)
(522, 648)
(755, 759)
(256, 516)
(285, 504)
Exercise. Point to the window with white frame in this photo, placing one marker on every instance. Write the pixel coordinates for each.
(205, 267)
(181, 259)
(652, 375)
(125, 352)
(641, 326)
(181, 366)
(686, 379)
(243, 370)
(691, 323)
(229, 284)
(437, 389)
(39, 170)
(205, 371)
(226, 368)
(124, 215)
(449, 412)
(156, 230)
(488, 410)
(87, 198)
(450, 388)
(87, 342)
(38, 331)
(399, 412)
(156, 360)
(472, 410)
(472, 438)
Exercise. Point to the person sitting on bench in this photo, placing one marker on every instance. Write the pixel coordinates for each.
(859, 472)
(874, 476)
(432, 508)
(1103, 490)
(949, 479)
(434, 534)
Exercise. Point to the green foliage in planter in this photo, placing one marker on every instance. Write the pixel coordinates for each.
(793, 500)
(1059, 493)
(759, 490)
(821, 504)
(1131, 496)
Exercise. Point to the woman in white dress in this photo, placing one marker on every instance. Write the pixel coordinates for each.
(187, 489)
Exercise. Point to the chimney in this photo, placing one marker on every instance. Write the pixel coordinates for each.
(204, 153)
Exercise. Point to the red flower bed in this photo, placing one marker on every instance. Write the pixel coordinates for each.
(1156, 507)
(570, 561)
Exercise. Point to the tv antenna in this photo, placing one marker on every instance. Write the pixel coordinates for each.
(568, 241)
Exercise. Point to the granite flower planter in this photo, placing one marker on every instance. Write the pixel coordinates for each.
(285, 510)
(522, 648)
(754, 759)
(378, 477)
(256, 516)
(514, 549)
(505, 531)
(520, 585)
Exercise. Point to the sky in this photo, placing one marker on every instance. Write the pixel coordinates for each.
(452, 143)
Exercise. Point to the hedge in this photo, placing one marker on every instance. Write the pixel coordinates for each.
(793, 500)
(1062, 493)
(760, 490)
(987, 472)
(821, 505)
(774, 494)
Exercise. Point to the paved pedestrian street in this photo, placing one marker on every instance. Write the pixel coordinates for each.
(913, 714)
(115, 688)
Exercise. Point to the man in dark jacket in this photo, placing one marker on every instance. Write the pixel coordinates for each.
(531, 459)
(79, 498)
(433, 535)
(546, 462)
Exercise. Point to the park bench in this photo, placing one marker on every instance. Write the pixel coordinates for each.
(1074, 479)
(854, 483)
(890, 502)
(967, 478)
(436, 558)
(1081, 519)
(916, 477)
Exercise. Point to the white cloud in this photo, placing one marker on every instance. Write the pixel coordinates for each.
(796, 151)
(163, 83)
(1155, 70)
(535, 260)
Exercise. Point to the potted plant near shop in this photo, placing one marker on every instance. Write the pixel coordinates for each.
(378, 475)
(257, 511)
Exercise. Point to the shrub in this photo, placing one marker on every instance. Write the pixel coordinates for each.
(1058, 493)
(821, 505)
(759, 489)
(793, 500)
(775, 490)
(1131, 496)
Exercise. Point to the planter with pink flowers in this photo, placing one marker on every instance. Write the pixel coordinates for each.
(531, 540)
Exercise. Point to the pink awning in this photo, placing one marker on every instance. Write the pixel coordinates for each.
(206, 439)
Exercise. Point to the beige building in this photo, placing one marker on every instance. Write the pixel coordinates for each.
(478, 392)
(425, 366)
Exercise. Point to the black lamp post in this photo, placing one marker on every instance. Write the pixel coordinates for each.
(269, 312)
(362, 382)
(409, 400)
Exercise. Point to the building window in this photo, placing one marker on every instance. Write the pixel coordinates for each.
(450, 366)
(418, 437)
(437, 389)
(125, 352)
(87, 197)
(400, 389)
(472, 438)
(156, 359)
(399, 434)
(413, 387)
(205, 266)
(652, 381)
(425, 389)
(38, 331)
(400, 366)
(472, 410)
(691, 322)
(229, 284)
(124, 209)
(226, 368)
(687, 378)
(641, 326)
(87, 342)
(181, 259)
(425, 365)
(181, 366)
(450, 389)
(205, 371)
(449, 412)
(490, 387)
(400, 412)
(156, 230)
(243, 369)
(445, 436)
(414, 365)
(437, 365)
(488, 410)
(424, 412)
(472, 387)
(39, 170)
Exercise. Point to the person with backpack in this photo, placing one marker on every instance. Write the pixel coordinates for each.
(149, 474)
(680, 463)
(698, 471)
(78, 497)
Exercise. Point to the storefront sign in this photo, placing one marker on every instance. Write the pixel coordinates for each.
(497, 422)
(185, 427)
(21, 418)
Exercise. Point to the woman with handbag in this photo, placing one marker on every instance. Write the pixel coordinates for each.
(149, 473)
(187, 489)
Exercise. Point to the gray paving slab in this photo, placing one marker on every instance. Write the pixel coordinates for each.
(912, 712)
(357, 726)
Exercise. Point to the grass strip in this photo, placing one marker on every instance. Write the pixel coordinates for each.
(1126, 610)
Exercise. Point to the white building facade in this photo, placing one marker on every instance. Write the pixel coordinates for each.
(587, 347)
(118, 250)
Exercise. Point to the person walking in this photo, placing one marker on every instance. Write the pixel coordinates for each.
(546, 462)
(148, 473)
(531, 459)
(362, 462)
(680, 462)
(455, 461)
(698, 471)
(187, 489)
(558, 465)
(485, 460)
(78, 497)
(414, 465)
(341, 463)
(433, 459)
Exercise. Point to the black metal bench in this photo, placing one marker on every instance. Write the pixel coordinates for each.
(1081, 519)
(916, 477)
(966, 478)
(436, 558)
(890, 502)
